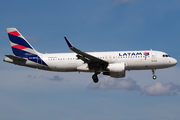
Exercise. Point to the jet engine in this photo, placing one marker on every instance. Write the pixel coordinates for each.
(116, 70)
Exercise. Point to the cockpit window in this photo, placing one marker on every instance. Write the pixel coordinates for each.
(166, 55)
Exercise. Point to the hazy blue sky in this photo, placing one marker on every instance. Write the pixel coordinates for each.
(91, 25)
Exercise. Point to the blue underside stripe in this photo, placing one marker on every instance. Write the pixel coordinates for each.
(18, 41)
(36, 59)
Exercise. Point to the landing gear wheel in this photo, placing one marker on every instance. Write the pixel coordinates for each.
(154, 77)
(95, 78)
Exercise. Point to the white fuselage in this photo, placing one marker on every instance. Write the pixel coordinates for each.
(119, 62)
(134, 60)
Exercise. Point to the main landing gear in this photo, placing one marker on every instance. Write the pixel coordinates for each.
(154, 76)
(95, 78)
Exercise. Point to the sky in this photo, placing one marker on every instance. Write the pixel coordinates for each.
(91, 25)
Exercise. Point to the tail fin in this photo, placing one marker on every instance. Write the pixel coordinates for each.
(19, 44)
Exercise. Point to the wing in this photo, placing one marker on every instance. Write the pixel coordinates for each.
(93, 62)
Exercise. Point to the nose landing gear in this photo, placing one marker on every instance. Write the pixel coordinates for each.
(154, 76)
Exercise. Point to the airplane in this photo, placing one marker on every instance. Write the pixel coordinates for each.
(113, 64)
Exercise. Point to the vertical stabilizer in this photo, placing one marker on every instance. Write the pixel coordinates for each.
(19, 44)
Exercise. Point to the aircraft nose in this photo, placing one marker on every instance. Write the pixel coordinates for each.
(174, 61)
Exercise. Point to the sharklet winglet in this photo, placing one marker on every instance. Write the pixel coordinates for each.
(68, 42)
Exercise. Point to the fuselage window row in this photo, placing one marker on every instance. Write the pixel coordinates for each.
(115, 57)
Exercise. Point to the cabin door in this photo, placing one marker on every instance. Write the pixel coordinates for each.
(153, 57)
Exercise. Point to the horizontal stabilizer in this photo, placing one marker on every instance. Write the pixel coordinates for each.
(16, 58)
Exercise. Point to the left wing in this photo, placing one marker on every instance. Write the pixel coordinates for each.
(87, 58)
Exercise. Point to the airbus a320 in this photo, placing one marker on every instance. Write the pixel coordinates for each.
(113, 64)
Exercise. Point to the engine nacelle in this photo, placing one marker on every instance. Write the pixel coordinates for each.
(116, 70)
